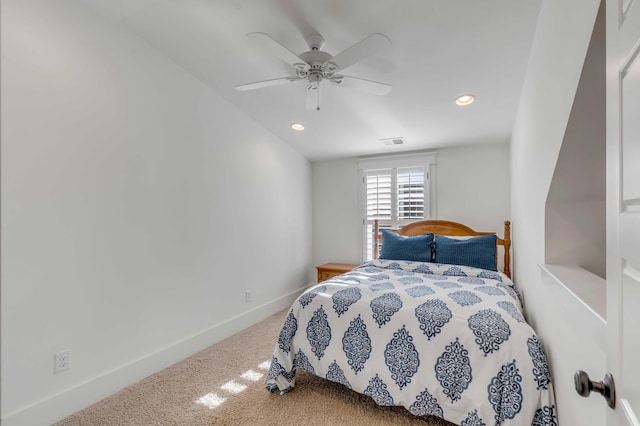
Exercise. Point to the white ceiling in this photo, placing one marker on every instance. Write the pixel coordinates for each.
(439, 49)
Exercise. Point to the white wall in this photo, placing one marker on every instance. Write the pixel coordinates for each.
(137, 208)
(472, 187)
(558, 53)
(576, 203)
(575, 235)
(336, 214)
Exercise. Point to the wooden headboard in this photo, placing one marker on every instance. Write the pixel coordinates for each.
(447, 228)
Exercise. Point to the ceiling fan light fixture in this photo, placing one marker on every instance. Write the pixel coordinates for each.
(465, 100)
(297, 126)
(314, 81)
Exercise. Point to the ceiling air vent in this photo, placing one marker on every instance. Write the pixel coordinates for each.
(392, 141)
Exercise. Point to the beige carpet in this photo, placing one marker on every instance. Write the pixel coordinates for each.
(224, 385)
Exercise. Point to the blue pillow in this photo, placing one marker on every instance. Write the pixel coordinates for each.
(399, 247)
(477, 252)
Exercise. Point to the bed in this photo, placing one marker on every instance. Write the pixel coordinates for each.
(430, 325)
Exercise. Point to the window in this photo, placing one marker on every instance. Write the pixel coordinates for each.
(396, 191)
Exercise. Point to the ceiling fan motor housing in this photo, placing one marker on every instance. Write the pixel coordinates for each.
(315, 57)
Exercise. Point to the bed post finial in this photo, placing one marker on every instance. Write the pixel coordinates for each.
(507, 248)
(375, 239)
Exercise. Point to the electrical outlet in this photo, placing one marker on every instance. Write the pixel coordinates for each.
(247, 296)
(62, 361)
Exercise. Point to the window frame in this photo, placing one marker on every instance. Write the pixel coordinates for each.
(427, 160)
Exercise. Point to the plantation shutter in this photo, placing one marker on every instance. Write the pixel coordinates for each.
(410, 193)
(379, 202)
(395, 197)
(379, 194)
(395, 191)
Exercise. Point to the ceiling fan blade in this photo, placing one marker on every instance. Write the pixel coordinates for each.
(276, 48)
(363, 49)
(266, 83)
(313, 99)
(369, 86)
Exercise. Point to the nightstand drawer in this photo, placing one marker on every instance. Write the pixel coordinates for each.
(330, 270)
(323, 276)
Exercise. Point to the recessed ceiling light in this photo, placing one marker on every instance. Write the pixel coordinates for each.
(465, 100)
(297, 126)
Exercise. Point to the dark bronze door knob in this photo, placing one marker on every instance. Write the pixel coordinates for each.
(606, 387)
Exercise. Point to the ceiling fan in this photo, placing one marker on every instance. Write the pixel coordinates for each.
(316, 66)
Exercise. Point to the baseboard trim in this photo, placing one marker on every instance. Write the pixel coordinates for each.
(61, 405)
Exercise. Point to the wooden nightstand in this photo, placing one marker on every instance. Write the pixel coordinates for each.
(329, 270)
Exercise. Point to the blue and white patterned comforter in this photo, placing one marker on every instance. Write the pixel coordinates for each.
(440, 340)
